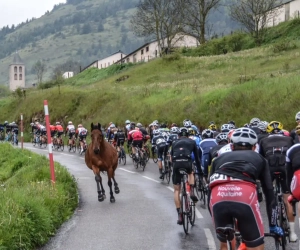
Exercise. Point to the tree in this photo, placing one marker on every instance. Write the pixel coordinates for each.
(254, 15)
(159, 19)
(39, 68)
(196, 14)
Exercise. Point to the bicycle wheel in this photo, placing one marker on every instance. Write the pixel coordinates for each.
(197, 187)
(192, 213)
(61, 145)
(185, 212)
(282, 217)
(168, 172)
(44, 143)
(123, 159)
(147, 152)
(33, 142)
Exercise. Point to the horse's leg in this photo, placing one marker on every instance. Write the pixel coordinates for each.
(110, 173)
(98, 179)
(117, 190)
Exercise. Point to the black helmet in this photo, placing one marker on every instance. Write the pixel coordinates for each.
(163, 125)
(183, 131)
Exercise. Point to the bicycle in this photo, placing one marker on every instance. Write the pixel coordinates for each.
(154, 155)
(60, 143)
(122, 155)
(84, 146)
(140, 159)
(43, 142)
(167, 167)
(147, 151)
(200, 186)
(72, 146)
(187, 205)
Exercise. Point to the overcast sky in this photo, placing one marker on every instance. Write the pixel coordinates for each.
(17, 11)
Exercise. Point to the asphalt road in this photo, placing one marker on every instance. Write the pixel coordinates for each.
(143, 216)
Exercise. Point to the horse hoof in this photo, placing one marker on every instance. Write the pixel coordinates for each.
(112, 200)
(117, 190)
(101, 198)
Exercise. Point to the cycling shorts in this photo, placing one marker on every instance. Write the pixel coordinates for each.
(137, 143)
(81, 137)
(71, 135)
(120, 142)
(238, 200)
(59, 133)
(186, 164)
(52, 133)
(161, 151)
(295, 185)
(282, 172)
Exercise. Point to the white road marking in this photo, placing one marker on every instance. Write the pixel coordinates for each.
(67, 154)
(172, 189)
(150, 179)
(210, 239)
(127, 170)
(198, 214)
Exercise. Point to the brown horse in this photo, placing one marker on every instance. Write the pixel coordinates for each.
(101, 156)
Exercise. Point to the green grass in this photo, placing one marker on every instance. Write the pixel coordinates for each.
(31, 209)
(258, 82)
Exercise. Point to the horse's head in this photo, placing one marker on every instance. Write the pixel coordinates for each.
(97, 137)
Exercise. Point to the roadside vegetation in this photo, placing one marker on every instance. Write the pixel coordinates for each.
(255, 82)
(31, 209)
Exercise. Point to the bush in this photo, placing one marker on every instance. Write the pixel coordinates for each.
(284, 45)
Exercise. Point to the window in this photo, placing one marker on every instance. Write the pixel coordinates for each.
(16, 77)
(147, 49)
(20, 69)
(16, 69)
(20, 76)
(142, 52)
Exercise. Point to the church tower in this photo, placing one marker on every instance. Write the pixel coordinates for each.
(16, 73)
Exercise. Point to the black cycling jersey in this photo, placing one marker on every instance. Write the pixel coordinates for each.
(249, 166)
(256, 129)
(261, 136)
(183, 148)
(292, 162)
(119, 136)
(158, 140)
(144, 131)
(172, 138)
(294, 136)
(274, 148)
(214, 151)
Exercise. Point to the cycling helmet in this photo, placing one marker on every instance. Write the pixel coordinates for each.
(155, 122)
(173, 125)
(70, 123)
(230, 134)
(79, 125)
(31, 124)
(6, 122)
(244, 137)
(212, 122)
(246, 125)
(13, 123)
(232, 122)
(163, 125)
(139, 124)
(274, 127)
(183, 131)
(120, 130)
(262, 125)
(156, 132)
(231, 126)
(212, 127)
(297, 130)
(221, 137)
(207, 133)
(254, 121)
(57, 123)
(191, 131)
(37, 123)
(297, 117)
(112, 125)
(187, 123)
(127, 122)
(225, 128)
(174, 130)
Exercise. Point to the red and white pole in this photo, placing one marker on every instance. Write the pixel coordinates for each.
(22, 138)
(49, 142)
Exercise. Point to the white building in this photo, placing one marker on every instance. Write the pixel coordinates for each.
(289, 9)
(151, 50)
(106, 62)
(68, 74)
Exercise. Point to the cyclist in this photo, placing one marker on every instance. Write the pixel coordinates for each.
(262, 126)
(41, 131)
(34, 130)
(7, 130)
(233, 181)
(52, 131)
(225, 128)
(173, 136)
(274, 149)
(59, 129)
(137, 140)
(206, 145)
(221, 140)
(110, 131)
(232, 123)
(2, 132)
(181, 152)
(160, 143)
(293, 132)
(293, 177)
(81, 132)
(70, 129)
(15, 132)
(213, 127)
(119, 138)
(127, 127)
(253, 124)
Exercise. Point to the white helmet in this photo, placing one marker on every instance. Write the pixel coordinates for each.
(139, 125)
(254, 121)
(244, 137)
(70, 123)
(225, 128)
(221, 137)
(112, 125)
(187, 123)
(156, 132)
(127, 122)
(297, 117)
(262, 125)
(57, 123)
(207, 133)
(174, 130)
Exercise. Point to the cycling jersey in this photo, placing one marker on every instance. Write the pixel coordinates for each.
(52, 130)
(119, 138)
(294, 136)
(160, 143)
(233, 178)
(293, 165)
(261, 136)
(181, 152)
(214, 151)
(255, 129)
(172, 138)
(135, 135)
(81, 132)
(59, 128)
(205, 146)
(70, 128)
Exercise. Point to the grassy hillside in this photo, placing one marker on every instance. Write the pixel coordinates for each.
(258, 82)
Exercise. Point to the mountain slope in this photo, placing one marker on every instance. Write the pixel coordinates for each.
(81, 30)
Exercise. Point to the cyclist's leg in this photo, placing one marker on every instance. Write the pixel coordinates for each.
(176, 178)
(160, 153)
